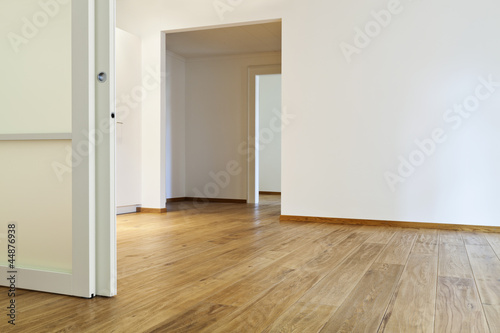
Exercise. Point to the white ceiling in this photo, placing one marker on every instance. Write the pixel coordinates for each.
(226, 41)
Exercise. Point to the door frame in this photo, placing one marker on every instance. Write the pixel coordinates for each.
(253, 156)
(83, 122)
(105, 198)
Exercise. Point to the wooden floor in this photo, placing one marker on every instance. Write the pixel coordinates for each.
(236, 268)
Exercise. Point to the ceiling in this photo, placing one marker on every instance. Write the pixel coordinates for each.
(226, 41)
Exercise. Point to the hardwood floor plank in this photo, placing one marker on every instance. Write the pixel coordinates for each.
(430, 236)
(474, 238)
(194, 320)
(336, 286)
(381, 235)
(494, 242)
(413, 306)
(450, 237)
(250, 288)
(492, 312)
(486, 268)
(191, 294)
(302, 317)
(247, 289)
(399, 248)
(258, 315)
(427, 242)
(362, 310)
(458, 307)
(330, 254)
(454, 261)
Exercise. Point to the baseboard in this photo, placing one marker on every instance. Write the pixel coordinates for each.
(32, 279)
(213, 200)
(269, 193)
(151, 210)
(217, 200)
(176, 200)
(425, 225)
(127, 209)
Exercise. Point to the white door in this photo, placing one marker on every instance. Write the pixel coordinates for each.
(128, 126)
(56, 142)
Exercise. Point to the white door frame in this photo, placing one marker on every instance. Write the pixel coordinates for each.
(83, 119)
(106, 261)
(253, 156)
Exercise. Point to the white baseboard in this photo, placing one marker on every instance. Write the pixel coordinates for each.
(127, 209)
(32, 279)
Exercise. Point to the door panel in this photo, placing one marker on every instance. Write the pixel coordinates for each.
(48, 141)
(36, 66)
(37, 199)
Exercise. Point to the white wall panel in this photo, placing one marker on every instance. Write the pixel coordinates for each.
(35, 98)
(38, 201)
(35, 67)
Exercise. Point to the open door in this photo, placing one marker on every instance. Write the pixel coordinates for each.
(57, 146)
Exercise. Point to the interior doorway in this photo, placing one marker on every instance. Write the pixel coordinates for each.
(211, 142)
(268, 112)
(264, 133)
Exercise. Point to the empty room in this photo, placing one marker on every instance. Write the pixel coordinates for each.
(249, 166)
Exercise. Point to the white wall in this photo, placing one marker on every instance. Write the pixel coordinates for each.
(269, 102)
(128, 117)
(176, 127)
(353, 120)
(217, 123)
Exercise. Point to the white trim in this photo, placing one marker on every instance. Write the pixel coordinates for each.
(163, 121)
(32, 279)
(234, 56)
(35, 136)
(227, 25)
(83, 123)
(253, 164)
(127, 209)
(106, 263)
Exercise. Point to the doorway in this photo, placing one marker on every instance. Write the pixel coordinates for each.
(210, 153)
(268, 113)
(264, 131)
